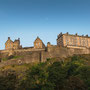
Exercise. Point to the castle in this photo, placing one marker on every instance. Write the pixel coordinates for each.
(10, 45)
(73, 41)
(67, 45)
(64, 40)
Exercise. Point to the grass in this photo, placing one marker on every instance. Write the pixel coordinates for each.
(16, 57)
(4, 59)
(11, 57)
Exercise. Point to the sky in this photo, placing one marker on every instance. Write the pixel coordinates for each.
(27, 19)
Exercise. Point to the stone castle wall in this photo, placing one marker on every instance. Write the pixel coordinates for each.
(62, 52)
(41, 55)
(67, 45)
(27, 57)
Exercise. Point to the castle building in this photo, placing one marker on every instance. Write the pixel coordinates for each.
(74, 41)
(38, 44)
(12, 45)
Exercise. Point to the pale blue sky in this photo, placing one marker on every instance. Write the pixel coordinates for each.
(28, 19)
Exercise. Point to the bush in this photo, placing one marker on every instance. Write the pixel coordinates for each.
(10, 57)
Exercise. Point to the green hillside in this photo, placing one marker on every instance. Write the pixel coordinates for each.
(72, 73)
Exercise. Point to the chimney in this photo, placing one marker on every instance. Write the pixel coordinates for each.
(67, 33)
(61, 33)
(76, 34)
(19, 39)
(8, 38)
(87, 35)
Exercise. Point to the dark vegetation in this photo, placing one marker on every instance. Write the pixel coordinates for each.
(72, 73)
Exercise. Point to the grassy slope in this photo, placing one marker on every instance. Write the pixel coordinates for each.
(24, 67)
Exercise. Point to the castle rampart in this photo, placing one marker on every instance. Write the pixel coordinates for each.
(39, 53)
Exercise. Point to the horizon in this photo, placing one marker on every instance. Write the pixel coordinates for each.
(27, 19)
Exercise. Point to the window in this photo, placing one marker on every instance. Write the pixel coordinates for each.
(71, 40)
(83, 42)
(66, 42)
(10, 45)
(39, 44)
(87, 43)
(80, 41)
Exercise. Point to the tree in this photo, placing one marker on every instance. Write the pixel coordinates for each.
(57, 75)
(8, 81)
(75, 83)
(84, 73)
(36, 78)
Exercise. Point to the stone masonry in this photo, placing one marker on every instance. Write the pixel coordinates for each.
(12, 45)
(73, 41)
(38, 43)
(67, 45)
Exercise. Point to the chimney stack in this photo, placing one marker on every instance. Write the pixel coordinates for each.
(8, 38)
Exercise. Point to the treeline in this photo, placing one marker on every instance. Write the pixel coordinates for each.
(72, 73)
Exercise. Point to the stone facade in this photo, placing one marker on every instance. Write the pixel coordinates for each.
(73, 41)
(38, 44)
(39, 53)
(12, 45)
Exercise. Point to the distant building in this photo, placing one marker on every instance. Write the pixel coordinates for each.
(74, 41)
(38, 43)
(12, 45)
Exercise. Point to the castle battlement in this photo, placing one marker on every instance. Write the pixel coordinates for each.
(67, 45)
(69, 41)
